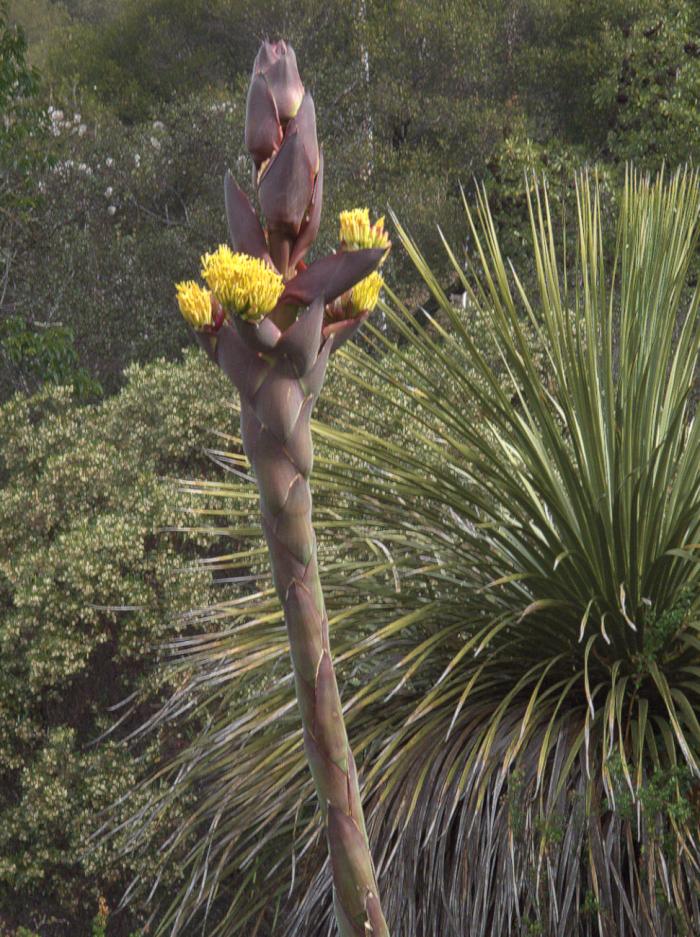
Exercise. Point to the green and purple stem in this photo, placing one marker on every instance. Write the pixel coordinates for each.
(279, 375)
(278, 367)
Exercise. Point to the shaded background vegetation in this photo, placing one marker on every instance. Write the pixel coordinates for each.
(119, 120)
(121, 180)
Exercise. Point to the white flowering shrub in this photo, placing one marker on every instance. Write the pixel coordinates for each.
(90, 586)
(120, 213)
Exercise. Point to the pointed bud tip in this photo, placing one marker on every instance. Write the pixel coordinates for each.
(276, 63)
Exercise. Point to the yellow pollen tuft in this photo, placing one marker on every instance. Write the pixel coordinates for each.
(366, 293)
(357, 233)
(243, 285)
(195, 304)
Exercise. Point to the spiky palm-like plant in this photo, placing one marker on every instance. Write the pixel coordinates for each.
(509, 544)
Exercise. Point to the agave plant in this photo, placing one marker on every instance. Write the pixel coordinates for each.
(509, 534)
(271, 323)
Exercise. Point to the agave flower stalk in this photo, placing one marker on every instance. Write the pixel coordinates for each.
(271, 323)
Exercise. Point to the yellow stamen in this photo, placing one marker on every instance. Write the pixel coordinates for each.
(243, 285)
(357, 233)
(195, 304)
(366, 293)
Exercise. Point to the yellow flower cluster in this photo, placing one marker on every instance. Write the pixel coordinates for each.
(366, 293)
(357, 233)
(195, 304)
(243, 285)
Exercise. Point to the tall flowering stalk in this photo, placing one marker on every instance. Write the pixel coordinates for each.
(271, 323)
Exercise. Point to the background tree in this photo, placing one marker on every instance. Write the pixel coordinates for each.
(32, 348)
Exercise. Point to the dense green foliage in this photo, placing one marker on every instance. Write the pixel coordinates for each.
(89, 589)
(514, 596)
(32, 349)
(652, 86)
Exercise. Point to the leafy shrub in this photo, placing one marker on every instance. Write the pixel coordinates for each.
(22, 119)
(90, 587)
(649, 90)
(45, 355)
(513, 169)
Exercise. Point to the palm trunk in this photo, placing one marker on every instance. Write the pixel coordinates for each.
(279, 376)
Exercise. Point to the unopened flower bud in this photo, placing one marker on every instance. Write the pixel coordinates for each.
(280, 133)
(274, 98)
(277, 63)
